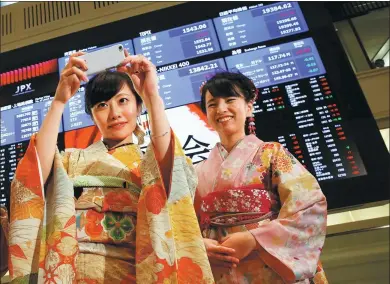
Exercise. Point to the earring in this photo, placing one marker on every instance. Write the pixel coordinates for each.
(251, 119)
(201, 87)
(251, 125)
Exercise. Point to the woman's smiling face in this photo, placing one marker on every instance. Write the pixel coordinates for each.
(117, 117)
(227, 115)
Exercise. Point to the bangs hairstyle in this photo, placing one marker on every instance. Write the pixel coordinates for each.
(228, 84)
(104, 86)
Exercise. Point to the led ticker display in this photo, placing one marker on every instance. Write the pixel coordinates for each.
(311, 127)
(181, 86)
(278, 64)
(20, 121)
(178, 44)
(260, 24)
(23, 107)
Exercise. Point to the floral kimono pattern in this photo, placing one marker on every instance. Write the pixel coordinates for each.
(260, 187)
(123, 228)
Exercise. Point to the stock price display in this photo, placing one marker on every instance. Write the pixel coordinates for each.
(181, 86)
(278, 64)
(260, 24)
(21, 120)
(178, 44)
(311, 127)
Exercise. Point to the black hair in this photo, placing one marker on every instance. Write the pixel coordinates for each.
(228, 84)
(104, 86)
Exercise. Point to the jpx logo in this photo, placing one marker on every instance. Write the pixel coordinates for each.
(23, 89)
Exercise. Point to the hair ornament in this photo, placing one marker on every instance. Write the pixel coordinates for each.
(201, 86)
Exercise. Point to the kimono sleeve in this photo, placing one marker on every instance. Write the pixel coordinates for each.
(292, 243)
(182, 170)
(26, 213)
(169, 245)
(27, 206)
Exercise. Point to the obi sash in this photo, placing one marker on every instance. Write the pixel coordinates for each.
(236, 206)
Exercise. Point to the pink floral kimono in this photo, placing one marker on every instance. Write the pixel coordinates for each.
(124, 228)
(259, 186)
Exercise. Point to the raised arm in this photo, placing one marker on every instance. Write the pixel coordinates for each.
(144, 76)
(46, 139)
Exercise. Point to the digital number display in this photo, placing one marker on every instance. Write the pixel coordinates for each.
(277, 64)
(181, 86)
(307, 120)
(23, 119)
(178, 44)
(23, 107)
(260, 24)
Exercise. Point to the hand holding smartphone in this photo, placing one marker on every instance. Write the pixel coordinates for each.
(103, 59)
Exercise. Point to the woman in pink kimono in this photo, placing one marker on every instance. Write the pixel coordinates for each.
(262, 214)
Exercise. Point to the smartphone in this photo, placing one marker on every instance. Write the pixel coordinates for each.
(103, 59)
